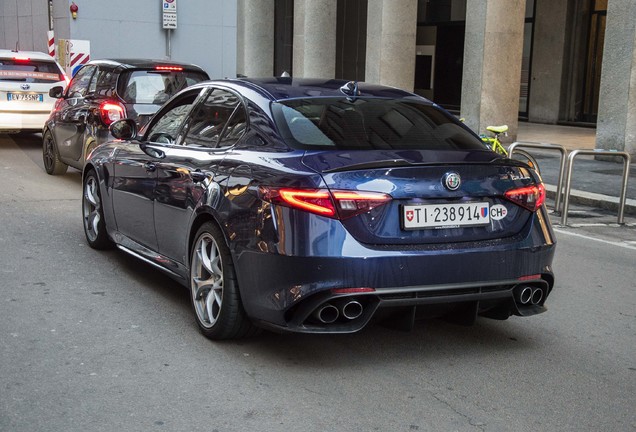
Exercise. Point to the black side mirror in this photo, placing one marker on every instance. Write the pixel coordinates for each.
(56, 92)
(125, 129)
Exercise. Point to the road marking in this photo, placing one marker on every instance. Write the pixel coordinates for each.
(613, 243)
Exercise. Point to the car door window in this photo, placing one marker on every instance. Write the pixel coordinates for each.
(105, 83)
(80, 82)
(165, 127)
(210, 118)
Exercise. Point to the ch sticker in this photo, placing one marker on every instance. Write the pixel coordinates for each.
(498, 212)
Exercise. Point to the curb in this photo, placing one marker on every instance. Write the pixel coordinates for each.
(590, 199)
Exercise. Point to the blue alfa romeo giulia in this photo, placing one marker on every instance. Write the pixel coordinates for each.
(318, 206)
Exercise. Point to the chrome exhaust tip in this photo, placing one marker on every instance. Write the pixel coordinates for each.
(524, 295)
(537, 296)
(327, 313)
(352, 310)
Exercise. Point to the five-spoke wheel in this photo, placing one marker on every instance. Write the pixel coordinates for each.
(92, 213)
(214, 290)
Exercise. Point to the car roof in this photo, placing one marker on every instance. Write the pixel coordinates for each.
(137, 63)
(34, 55)
(281, 88)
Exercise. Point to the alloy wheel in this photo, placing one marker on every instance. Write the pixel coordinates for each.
(92, 208)
(207, 280)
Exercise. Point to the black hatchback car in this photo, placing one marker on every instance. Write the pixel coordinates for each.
(104, 91)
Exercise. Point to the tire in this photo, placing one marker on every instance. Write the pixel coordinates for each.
(52, 163)
(214, 292)
(93, 213)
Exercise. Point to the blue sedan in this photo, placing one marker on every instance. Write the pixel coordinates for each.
(319, 206)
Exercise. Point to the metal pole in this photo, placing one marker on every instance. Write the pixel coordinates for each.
(568, 180)
(169, 47)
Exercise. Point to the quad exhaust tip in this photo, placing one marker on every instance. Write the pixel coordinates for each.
(328, 313)
(529, 295)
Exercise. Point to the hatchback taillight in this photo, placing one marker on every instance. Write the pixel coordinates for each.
(529, 197)
(111, 112)
(337, 204)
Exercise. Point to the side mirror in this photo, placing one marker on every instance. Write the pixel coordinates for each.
(56, 92)
(125, 129)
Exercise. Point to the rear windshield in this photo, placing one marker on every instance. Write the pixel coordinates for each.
(156, 87)
(369, 124)
(30, 71)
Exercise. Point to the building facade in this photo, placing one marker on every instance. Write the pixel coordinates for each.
(490, 61)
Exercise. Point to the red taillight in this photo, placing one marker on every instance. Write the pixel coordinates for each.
(169, 68)
(529, 197)
(111, 112)
(352, 290)
(529, 277)
(334, 204)
(21, 59)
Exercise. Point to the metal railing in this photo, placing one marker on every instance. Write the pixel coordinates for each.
(545, 146)
(568, 180)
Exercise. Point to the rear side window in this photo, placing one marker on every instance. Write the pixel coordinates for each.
(370, 123)
(29, 71)
(221, 111)
(156, 87)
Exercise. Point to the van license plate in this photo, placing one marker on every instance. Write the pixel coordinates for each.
(32, 97)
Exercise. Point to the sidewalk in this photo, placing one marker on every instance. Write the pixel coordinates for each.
(594, 183)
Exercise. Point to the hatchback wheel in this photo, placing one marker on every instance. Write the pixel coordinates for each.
(93, 213)
(52, 163)
(214, 290)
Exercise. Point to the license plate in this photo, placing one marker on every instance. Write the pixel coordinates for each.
(34, 97)
(418, 216)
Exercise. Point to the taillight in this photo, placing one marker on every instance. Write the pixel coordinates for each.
(336, 204)
(21, 59)
(111, 112)
(529, 197)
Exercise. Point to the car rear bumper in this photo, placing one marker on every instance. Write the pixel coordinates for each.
(22, 121)
(288, 292)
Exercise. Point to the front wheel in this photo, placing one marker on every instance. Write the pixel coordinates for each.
(214, 290)
(52, 163)
(93, 213)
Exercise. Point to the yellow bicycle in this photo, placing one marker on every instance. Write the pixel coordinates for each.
(493, 141)
(496, 146)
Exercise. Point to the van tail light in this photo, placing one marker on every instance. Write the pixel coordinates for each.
(111, 112)
(336, 204)
(529, 197)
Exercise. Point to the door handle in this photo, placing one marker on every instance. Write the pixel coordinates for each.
(150, 166)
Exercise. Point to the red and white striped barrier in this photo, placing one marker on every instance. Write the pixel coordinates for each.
(51, 39)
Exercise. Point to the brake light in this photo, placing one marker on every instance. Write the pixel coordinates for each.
(111, 112)
(529, 197)
(333, 204)
(21, 59)
(169, 68)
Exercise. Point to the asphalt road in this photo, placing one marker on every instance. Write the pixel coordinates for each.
(94, 341)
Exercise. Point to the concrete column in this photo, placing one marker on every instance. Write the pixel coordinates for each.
(492, 64)
(616, 126)
(314, 53)
(547, 61)
(391, 37)
(255, 38)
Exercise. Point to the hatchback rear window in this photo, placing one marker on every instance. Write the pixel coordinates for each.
(30, 71)
(156, 87)
(370, 124)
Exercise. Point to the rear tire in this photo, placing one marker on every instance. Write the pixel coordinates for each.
(214, 292)
(52, 163)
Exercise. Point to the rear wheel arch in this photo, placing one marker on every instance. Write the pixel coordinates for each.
(199, 220)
